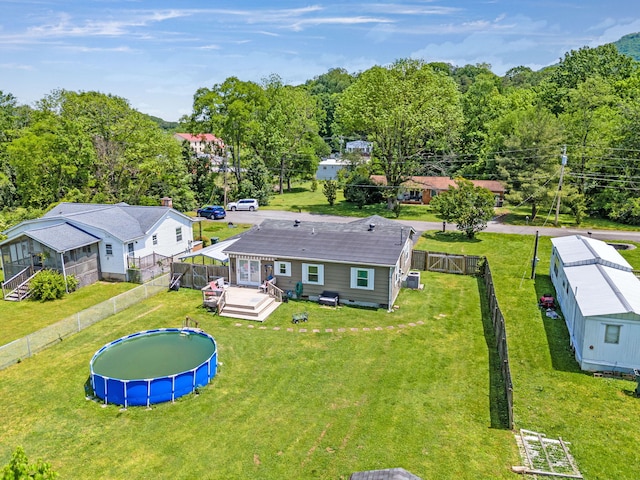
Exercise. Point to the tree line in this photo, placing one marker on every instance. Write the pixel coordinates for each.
(422, 119)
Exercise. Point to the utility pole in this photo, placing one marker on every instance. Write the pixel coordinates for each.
(564, 162)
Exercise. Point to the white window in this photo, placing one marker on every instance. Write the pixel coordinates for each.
(283, 269)
(109, 249)
(362, 278)
(612, 334)
(154, 239)
(313, 274)
(179, 234)
(130, 248)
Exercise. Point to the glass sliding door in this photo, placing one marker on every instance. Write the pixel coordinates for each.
(248, 272)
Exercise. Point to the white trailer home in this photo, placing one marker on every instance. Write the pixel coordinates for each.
(599, 296)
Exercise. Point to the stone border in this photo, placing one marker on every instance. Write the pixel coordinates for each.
(332, 330)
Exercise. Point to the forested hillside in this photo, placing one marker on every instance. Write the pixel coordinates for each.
(423, 119)
(629, 45)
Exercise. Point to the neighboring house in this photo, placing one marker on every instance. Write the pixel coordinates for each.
(364, 261)
(600, 300)
(202, 143)
(359, 146)
(421, 190)
(328, 168)
(95, 241)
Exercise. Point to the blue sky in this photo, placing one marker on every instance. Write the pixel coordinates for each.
(156, 54)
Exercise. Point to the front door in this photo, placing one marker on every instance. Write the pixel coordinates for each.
(248, 272)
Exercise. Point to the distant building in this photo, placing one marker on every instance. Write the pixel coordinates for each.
(359, 146)
(328, 168)
(202, 143)
(422, 189)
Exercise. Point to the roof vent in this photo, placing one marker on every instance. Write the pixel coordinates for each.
(372, 226)
(296, 223)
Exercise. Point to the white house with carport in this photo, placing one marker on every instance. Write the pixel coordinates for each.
(94, 241)
(599, 296)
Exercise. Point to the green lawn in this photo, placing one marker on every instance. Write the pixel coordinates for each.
(284, 404)
(551, 395)
(22, 318)
(293, 404)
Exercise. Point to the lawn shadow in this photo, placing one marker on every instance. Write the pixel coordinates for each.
(450, 237)
(498, 406)
(562, 357)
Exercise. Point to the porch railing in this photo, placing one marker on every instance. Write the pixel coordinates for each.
(274, 291)
(17, 280)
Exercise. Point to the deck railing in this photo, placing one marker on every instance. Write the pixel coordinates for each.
(17, 280)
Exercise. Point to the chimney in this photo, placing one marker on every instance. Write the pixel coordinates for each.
(166, 202)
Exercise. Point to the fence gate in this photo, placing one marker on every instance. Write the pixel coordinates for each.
(200, 277)
(437, 262)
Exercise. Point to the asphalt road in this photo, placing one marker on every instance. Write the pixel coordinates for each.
(493, 226)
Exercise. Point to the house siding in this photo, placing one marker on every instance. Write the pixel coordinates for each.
(337, 277)
(624, 355)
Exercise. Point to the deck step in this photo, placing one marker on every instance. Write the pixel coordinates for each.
(257, 312)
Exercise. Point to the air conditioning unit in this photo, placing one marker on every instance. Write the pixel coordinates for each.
(413, 280)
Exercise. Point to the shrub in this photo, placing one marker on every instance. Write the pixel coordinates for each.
(50, 285)
(206, 241)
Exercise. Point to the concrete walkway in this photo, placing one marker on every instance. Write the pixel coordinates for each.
(493, 226)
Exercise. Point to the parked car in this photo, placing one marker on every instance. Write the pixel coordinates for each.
(212, 211)
(250, 204)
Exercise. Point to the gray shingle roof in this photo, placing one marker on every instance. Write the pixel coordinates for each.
(354, 242)
(62, 237)
(125, 222)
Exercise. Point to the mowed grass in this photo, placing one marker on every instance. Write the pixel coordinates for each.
(285, 404)
(551, 394)
(302, 199)
(22, 318)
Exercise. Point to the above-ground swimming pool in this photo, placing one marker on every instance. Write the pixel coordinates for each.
(153, 366)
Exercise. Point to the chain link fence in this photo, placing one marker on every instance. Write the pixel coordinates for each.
(26, 346)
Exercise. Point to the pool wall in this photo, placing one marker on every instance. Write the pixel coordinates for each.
(148, 391)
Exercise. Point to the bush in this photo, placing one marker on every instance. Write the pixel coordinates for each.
(50, 285)
(206, 241)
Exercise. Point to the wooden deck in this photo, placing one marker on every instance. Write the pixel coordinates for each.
(248, 303)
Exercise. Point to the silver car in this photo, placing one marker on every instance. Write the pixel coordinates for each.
(250, 204)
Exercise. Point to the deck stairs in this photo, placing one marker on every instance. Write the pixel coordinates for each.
(17, 293)
(247, 303)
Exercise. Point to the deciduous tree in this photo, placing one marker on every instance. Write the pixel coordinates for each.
(407, 111)
(469, 206)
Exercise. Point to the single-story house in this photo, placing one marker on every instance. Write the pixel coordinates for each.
(364, 261)
(421, 190)
(599, 296)
(95, 241)
(329, 167)
(359, 146)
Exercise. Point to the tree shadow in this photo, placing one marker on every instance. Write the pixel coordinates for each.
(450, 237)
(562, 357)
(498, 405)
(88, 388)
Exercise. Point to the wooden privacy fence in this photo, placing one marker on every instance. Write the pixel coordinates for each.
(474, 265)
(445, 262)
(198, 276)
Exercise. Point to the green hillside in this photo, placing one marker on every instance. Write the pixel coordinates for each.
(629, 45)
